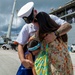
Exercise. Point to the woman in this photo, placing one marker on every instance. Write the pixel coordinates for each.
(59, 59)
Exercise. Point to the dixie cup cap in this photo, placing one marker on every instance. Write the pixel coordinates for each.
(26, 10)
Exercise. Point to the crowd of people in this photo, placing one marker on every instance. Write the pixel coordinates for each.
(42, 43)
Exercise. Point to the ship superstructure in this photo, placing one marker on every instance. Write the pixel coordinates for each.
(67, 12)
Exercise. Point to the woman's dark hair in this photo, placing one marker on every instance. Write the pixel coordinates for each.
(46, 24)
(32, 43)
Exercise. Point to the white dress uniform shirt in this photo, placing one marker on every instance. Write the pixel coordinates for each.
(29, 29)
(57, 20)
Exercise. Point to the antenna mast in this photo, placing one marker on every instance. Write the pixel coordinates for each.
(11, 21)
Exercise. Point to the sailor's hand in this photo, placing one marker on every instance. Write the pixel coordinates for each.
(50, 37)
(27, 63)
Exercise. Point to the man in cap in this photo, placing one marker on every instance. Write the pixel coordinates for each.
(28, 13)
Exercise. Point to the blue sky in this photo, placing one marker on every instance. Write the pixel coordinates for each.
(6, 9)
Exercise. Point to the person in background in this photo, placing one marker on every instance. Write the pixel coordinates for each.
(28, 13)
(33, 48)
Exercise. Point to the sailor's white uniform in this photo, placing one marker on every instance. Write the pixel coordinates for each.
(57, 20)
(29, 29)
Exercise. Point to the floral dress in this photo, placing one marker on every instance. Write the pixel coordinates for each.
(59, 58)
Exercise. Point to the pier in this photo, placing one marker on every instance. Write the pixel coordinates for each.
(9, 62)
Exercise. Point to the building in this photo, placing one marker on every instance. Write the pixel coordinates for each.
(67, 12)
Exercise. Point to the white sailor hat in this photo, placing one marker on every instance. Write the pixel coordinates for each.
(26, 12)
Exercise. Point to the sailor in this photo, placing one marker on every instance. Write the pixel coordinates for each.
(28, 13)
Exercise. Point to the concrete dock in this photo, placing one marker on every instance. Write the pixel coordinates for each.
(9, 62)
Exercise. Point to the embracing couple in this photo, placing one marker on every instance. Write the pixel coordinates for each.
(42, 44)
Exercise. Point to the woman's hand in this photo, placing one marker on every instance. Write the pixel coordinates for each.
(50, 37)
(27, 63)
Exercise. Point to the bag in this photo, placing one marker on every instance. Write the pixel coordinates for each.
(41, 63)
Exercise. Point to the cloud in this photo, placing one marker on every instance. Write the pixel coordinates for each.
(6, 9)
(17, 22)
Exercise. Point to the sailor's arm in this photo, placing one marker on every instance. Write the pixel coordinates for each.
(61, 31)
(64, 28)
